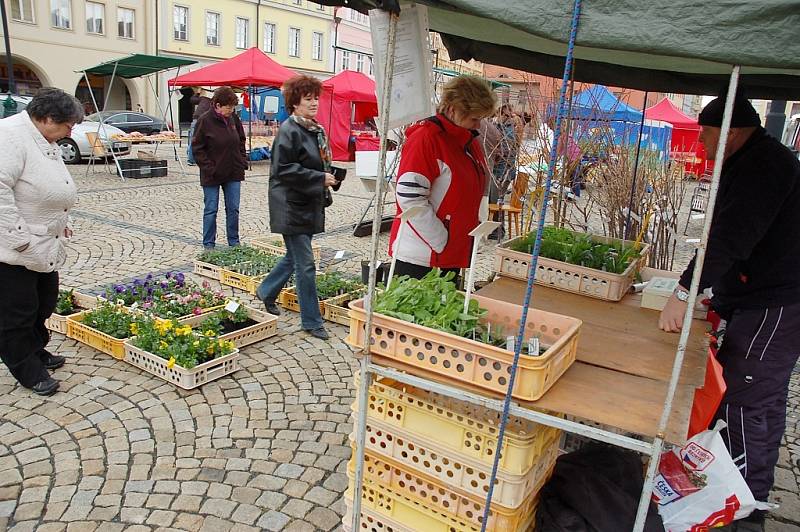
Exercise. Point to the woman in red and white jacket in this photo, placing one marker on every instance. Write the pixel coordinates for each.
(443, 170)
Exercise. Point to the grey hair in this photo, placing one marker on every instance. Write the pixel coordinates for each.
(57, 105)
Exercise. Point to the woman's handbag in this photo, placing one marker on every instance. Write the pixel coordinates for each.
(328, 199)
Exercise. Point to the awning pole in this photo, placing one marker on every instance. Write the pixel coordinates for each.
(365, 362)
(658, 442)
(110, 85)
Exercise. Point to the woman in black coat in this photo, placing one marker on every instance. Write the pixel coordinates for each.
(298, 194)
(218, 148)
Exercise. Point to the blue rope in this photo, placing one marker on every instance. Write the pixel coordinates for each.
(534, 257)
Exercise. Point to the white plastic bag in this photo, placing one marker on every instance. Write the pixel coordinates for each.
(699, 487)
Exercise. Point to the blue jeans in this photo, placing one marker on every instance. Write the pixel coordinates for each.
(189, 155)
(232, 190)
(300, 260)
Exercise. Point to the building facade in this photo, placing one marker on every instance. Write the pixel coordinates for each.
(352, 46)
(51, 39)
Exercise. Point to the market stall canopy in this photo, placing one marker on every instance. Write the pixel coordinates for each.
(666, 111)
(346, 98)
(599, 103)
(250, 68)
(679, 46)
(136, 65)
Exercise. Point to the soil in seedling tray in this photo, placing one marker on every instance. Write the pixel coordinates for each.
(229, 326)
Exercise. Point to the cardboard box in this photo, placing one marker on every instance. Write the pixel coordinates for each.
(146, 155)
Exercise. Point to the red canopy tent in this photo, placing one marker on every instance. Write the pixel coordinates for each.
(685, 133)
(347, 98)
(250, 68)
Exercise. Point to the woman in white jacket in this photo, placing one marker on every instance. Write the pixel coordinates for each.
(36, 194)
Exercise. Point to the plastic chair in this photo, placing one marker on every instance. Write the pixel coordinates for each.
(98, 151)
(512, 212)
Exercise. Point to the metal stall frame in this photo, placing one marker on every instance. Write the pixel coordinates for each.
(139, 67)
(651, 449)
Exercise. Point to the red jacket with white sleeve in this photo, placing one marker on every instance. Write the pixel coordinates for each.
(443, 170)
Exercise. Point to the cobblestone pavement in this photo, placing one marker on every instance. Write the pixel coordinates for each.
(266, 449)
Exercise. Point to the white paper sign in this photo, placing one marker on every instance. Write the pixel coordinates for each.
(232, 306)
(412, 85)
(339, 254)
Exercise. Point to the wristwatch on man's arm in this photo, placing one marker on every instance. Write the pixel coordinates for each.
(682, 294)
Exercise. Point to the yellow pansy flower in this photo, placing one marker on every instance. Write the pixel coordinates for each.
(134, 328)
(171, 362)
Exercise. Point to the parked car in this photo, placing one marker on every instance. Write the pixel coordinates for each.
(130, 121)
(76, 146)
(21, 101)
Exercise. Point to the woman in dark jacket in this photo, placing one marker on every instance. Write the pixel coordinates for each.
(218, 148)
(298, 194)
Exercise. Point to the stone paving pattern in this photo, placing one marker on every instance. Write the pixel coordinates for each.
(266, 449)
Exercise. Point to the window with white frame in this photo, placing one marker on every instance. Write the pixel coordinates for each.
(360, 18)
(360, 62)
(294, 42)
(320, 7)
(298, 2)
(316, 46)
(95, 16)
(371, 66)
(126, 20)
(22, 10)
(212, 28)
(269, 37)
(61, 14)
(242, 32)
(345, 60)
(180, 23)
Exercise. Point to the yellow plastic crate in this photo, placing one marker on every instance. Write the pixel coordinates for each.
(206, 269)
(335, 310)
(460, 472)
(430, 493)
(266, 326)
(372, 521)
(468, 429)
(248, 283)
(94, 338)
(268, 246)
(412, 513)
(289, 300)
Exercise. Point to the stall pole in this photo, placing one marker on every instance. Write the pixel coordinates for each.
(110, 85)
(250, 127)
(635, 171)
(363, 389)
(658, 442)
(534, 259)
(101, 126)
(163, 112)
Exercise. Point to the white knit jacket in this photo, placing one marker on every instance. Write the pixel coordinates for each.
(36, 194)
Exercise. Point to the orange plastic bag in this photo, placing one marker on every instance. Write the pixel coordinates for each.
(707, 399)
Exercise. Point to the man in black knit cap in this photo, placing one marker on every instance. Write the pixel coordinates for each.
(752, 265)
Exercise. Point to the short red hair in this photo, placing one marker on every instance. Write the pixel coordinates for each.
(298, 86)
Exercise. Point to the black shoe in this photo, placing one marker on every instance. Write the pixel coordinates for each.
(48, 386)
(319, 332)
(272, 308)
(52, 361)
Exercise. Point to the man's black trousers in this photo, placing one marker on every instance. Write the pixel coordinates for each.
(759, 352)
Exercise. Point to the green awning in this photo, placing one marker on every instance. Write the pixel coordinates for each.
(136, 65)
(453, 73)
(680, 46)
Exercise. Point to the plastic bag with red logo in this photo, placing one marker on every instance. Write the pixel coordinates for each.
(698, 487)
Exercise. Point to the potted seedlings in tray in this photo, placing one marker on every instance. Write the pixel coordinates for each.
(176, 353)
(235, 322)
(169, 297)
(422, 324)
(69, 302)
(105, 327)
(209, 262)
(332, 288)
(595, 266)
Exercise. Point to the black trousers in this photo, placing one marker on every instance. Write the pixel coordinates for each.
(28, 298)
(759, 352)
(418, 272)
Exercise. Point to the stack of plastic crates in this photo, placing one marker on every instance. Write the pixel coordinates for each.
(428, 460)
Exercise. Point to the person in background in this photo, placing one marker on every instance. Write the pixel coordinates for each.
(752, 264)
(444, 171)
(504, 169)
(201, 105)
(298, 195)
(219, 148)
(36, 195)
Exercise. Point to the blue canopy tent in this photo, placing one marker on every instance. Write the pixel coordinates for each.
(599, 103)
(268, 104)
